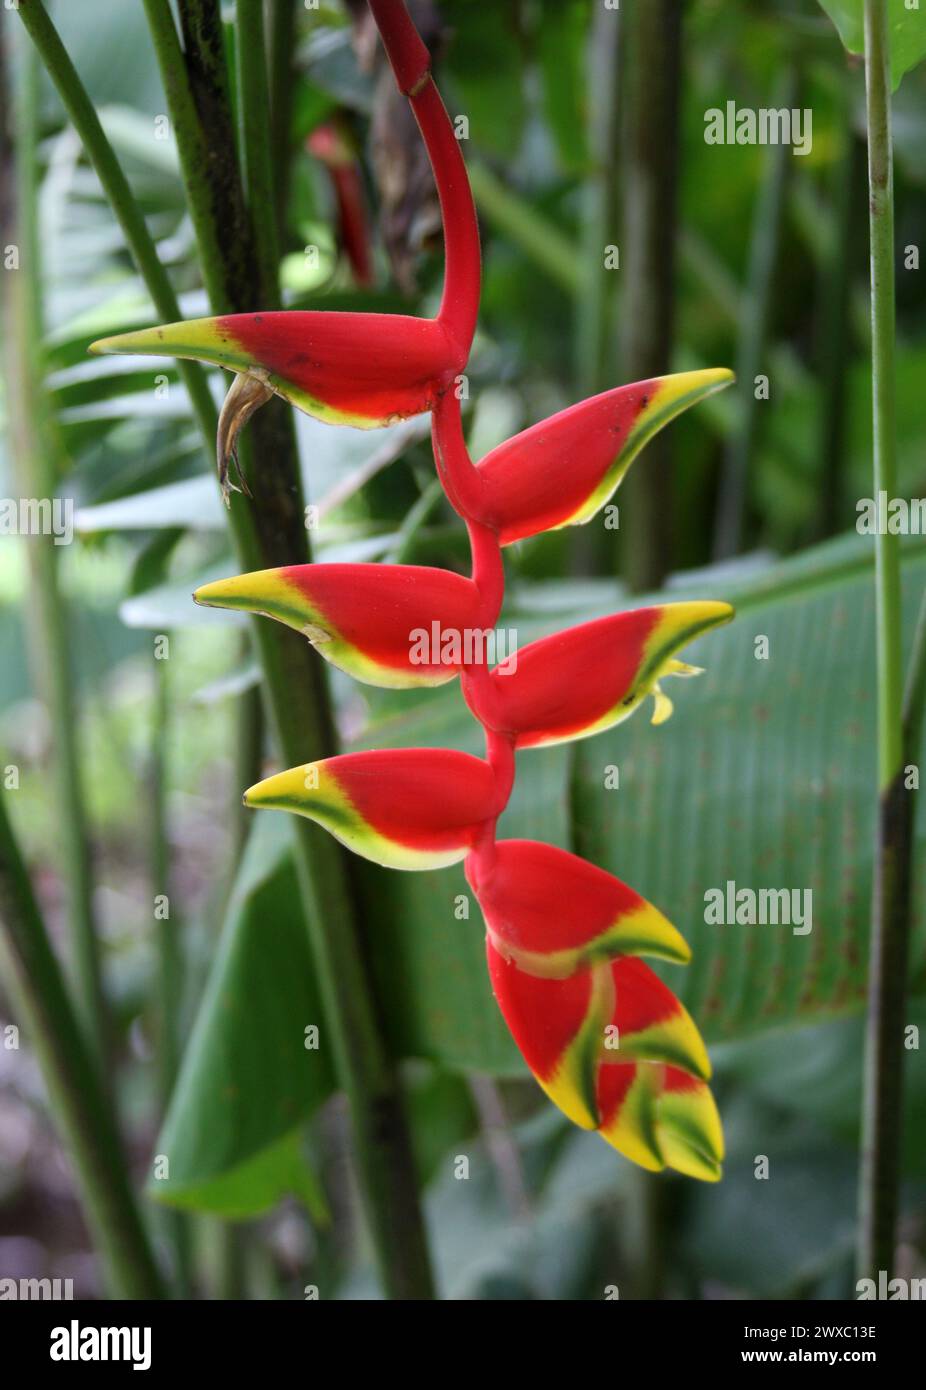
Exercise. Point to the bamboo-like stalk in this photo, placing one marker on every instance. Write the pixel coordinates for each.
(281, 45)
(256, 147)
(169, 952)
(81, 1108)
(270, 533)
(834, 340)
(37, 463)
(651, 71)
(598, 285)
(595, 365)
(882, 1114)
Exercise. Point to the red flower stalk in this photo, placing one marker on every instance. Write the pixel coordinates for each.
(332, 147)
(606, 1039)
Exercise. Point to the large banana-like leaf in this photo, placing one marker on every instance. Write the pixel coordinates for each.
(248, 1079)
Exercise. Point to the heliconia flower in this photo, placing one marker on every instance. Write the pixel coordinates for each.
(551, 913)
(616, 1052)
(331, 145)
(365, 619)
(561, 471)
(347, 369)
(593, 676)
(412, 808)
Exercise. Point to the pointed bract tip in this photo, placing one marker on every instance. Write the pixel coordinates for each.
(693, 386)
(285, 791)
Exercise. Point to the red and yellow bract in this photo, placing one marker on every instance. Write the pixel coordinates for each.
(360, 617)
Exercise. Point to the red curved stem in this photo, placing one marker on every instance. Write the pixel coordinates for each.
(411, 64)
(458, 474)
(488, 572)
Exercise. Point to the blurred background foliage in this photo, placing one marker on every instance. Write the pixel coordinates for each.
(763, 775)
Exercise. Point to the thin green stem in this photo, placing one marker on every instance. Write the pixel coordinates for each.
(415, 519)
(598, 284)
(651, 71)
(38, 464)
(81, 1108)
(757, 305)
(881, 228)
(834, 340)
(539, 238)
(882, 1115)
(169, 950)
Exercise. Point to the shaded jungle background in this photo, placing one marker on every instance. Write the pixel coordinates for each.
(583, 135)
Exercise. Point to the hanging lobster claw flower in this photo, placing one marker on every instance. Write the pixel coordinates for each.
(551, 913)
(616, 1052)
(387, 625)
(561, 471)
(345, 368)
(593, 676)
(413, 808)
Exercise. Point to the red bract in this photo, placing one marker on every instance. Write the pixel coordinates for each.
(415, 808)
(551, 913)
(617, 1052)
(386, 625)
(347, 369)
(561, 471)
(589, 678)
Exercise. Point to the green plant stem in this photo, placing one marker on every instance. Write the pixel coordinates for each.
(651, 71)
(256, 145)
(171, 971)
(551, 250)
(753, 333)
(37, 464)
(591, 547)
(882, 1114)
(271, 532)
(834, 342)
(81, 1108)
(282, 46)
(598, 285)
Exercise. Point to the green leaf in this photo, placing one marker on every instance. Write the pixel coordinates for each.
(193, 503)
(254, 1186)
(907, 30)
(483, 68)
(248, 1081)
